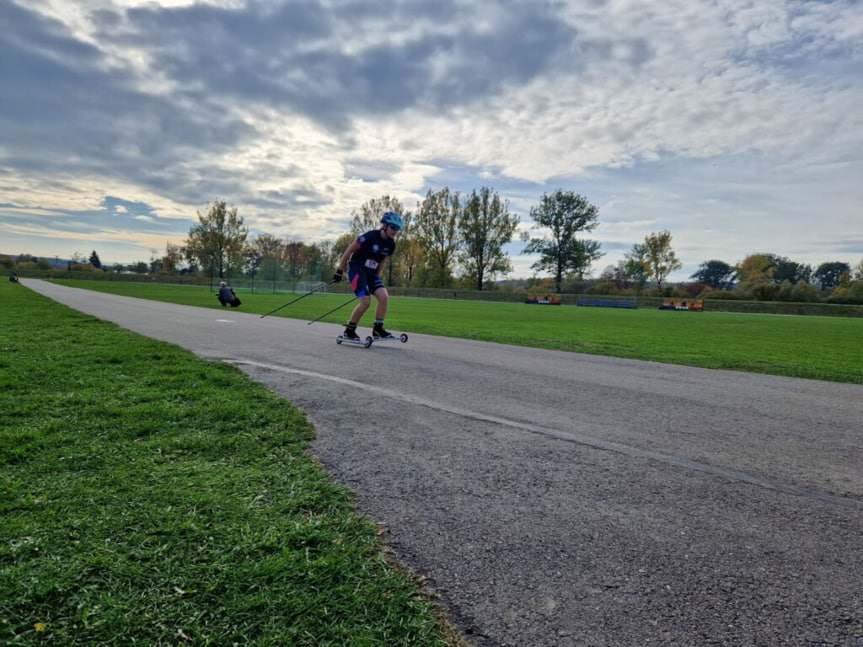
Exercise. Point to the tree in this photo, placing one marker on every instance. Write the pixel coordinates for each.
(217, 240)
(268, 246)
(829, 275)
(251, 261)
(293, 257)
(635, 266)
(169, 263)
(265, 254)
(94, 260)
(338, 248)
(312, 258)
(784, 269)
(566, 214)
(369, 215)
(716, 274)
(408, 260)
(155, 262)
(661, 259)
(754, 270)
(617, 277)
(435, 229)
(172, 258)
(485, 226)
(76, 261)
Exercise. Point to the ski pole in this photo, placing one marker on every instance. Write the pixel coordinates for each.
(330, 312)
(320, 287)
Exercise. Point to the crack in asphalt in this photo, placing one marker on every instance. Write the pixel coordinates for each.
(573, 437)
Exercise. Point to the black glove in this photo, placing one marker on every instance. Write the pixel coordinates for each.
(337, 277)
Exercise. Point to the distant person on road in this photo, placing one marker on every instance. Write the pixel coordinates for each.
(13, 278)
(364, 259)
(226, 296)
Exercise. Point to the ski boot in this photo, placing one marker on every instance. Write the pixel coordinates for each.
(351, 332)
(378, 332)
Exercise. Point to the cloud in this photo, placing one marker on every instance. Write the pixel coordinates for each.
(726, 123)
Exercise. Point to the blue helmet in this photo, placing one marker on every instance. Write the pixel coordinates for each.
(394, 219)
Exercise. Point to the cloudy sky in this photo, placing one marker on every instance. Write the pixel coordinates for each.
(735, 125)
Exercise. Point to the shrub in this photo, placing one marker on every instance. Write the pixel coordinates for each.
(691, 290)
(602, 287)
(765, 292)
(726, 295)
(850, 294)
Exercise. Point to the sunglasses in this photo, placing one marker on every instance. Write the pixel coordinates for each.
(394, 227)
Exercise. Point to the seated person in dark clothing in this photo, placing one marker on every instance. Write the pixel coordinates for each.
(226, 295)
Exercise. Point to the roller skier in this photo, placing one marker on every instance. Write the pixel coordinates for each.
(364, 259)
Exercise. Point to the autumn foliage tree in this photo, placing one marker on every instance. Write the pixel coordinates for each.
(217, 240)
(754, 270)
(660, 257)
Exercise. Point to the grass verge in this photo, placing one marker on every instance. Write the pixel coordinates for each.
(150, 497)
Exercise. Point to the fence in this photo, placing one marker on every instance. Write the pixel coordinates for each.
(509, 296)
(607, 303)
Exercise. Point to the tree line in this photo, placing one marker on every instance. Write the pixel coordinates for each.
(455, 240)
(449, 240)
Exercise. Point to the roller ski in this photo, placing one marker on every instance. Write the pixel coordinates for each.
(379, 334)
(350, 336)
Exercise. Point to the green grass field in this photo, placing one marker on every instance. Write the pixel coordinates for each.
(821, 348)
(149, 497)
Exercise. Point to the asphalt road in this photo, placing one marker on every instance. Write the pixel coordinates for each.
(556, 499)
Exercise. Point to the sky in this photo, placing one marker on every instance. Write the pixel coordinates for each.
(736, 125)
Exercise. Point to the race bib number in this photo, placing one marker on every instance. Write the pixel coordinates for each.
(371, 263)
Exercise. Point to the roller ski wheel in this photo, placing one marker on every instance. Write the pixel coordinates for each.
(365, 343)
(403, 338)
